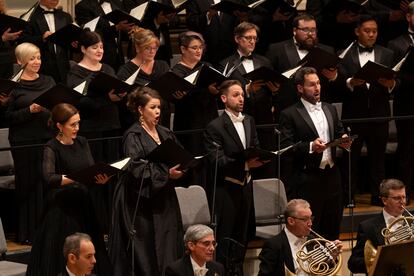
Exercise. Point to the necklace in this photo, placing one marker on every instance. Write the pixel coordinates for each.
(152, 134)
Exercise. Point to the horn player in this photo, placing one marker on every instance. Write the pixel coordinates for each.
(280, 251)
(393, 197)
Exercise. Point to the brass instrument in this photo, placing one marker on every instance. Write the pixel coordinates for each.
(404, 232)
(321, 257)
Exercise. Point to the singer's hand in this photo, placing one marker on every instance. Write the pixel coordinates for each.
(175, 173)
(101, 178)
(318, 145)
(347, 143)
(356, 82)
(386, 83)
(256, 162)
(178, 95)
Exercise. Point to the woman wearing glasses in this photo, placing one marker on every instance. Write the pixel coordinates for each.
(146, 46)
(69, 207)
(197, 107)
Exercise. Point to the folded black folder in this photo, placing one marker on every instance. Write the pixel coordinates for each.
(87, 175)
(172, 154)
(58, 94)
(6, 86)
(169, 83)
(65, 35)
(117, 16)
(251, 152)
(342, 140)
(337, 6)
(265, 74)
(284, 8)
(373, 71)
(207, 76)
(7, 21)
(408, 64)
(320, 59)
(103, 83)
(227, 6)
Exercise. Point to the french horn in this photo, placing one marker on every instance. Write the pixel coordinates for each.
(318, 256)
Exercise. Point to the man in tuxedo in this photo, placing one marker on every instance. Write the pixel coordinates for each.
(280, 251)
(87, 10)
(403, 99)
(44, 21)
(79, 253)
(200, 246)
(227, 136)
(314, 175)
(392, 192)
(367, 100)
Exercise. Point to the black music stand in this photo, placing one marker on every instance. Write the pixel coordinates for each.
(394, 259)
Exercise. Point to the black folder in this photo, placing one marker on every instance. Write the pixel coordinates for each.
(169, 83)
(284, 8)
(320, 59)
(252, 152)
(344, 5)
(339, 141)
(87, 175)
(58, 94)
(154, 8)
(6, 86)
(372, 71)
(103, 83)
(117, 16)
(265, 74)
(408, 64)
(65, 35)
(7, 21)
(208, 76)
(227, 6)
(172, 154)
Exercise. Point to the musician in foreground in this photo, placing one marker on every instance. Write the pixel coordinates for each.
(392, 194)
(280, 251)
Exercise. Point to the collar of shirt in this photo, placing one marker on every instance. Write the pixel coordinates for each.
(389, 218)
(234, 118)
(293, 239)
(69, 272)
(311, 107)
(301, 52)
(46, 9)
(197, 268)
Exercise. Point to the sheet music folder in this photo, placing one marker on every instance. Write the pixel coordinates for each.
(6, 86)
(103, 83)
(252, 152)
(65, 35)
(170, 153)
(341, 140)
(227, 6)
(7, 21)
(169, 83)
(117, 16)
(397, 255)
(58, 94)
(265, 74)
(320, 59)
(87, 175)
(208, 76)
(372, 71)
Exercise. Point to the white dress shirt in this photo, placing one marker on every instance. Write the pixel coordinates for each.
(198, 270)
(295, 244)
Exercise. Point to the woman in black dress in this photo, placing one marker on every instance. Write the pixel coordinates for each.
(146, 46)
(69, 207)
(158, 238)
(28, 126)
(199, 106)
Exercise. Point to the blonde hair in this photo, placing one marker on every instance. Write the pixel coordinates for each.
(143, 37)
(25, 51)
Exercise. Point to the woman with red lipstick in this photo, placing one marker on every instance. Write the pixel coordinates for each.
(199, 106)
(158, 238)
(69, 207)
(28, 126)
(146, 46)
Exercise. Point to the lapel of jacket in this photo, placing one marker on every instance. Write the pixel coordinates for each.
(287, 252)
(305, 115)
(355, 56)
(41, 20)
(378, 53)
(329, 118)
(228, 125)
(247, 130)
(292, 53)
(188, 266)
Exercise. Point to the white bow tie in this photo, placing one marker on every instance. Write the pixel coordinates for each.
(200, 271)
(317, 106)
(235, 119)
(300, 241)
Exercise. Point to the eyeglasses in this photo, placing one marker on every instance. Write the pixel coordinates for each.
(149, 49)
(74, 125)
(207, 243)
(305, 219)
(250, 38)
(398, 198)
(196, 48)
(308, 30)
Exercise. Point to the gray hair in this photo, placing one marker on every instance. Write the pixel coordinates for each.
(196, 232)
(411, 8)
(72, 244)
(293, 206)
(390, 184)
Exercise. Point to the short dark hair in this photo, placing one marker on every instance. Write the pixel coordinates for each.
(243, 27)
(302, 72)
(365, 18)
(411, 8)
(224, 86)
(61, 113)
(390, 184)
(140, 97)
(72, 244)
(185, 38)
(304, 17)
(88, 38)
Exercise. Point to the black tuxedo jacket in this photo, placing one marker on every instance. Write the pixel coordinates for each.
(369, 229)
(85, 11)
(296, 125)
(364, 102)
(54, 63)
(275, 255)
(222, 132)
(218, 34)
(65, 273)
(183, 267)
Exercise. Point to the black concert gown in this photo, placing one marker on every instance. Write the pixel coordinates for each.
(70, 208)
(158, 225)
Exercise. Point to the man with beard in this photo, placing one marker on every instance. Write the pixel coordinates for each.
(287, 54)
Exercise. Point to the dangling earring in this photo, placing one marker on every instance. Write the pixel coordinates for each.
(60, 134)
(141, 121)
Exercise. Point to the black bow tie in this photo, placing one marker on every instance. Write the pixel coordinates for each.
(365, 49)
(246, 57)
(46, 12)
